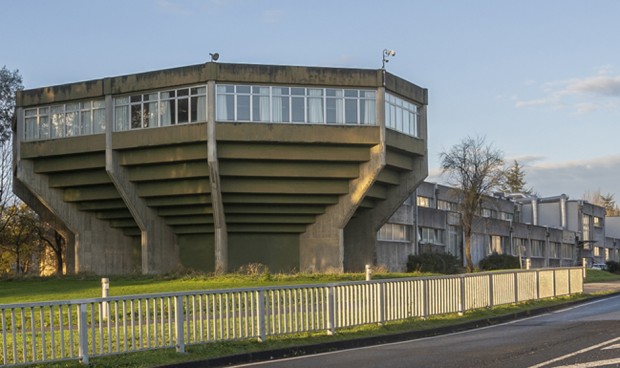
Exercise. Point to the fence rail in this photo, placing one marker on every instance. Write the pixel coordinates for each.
(80, 329)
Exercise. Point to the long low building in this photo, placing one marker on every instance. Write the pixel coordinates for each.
(544, 232)
(214, 166)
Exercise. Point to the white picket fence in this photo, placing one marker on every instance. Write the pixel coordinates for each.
(80, 329)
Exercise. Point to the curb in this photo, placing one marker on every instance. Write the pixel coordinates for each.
(274, 354)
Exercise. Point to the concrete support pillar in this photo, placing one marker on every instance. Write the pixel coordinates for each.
(160, 252)
(219, 219)
(97, 247)
(92, 246)
(321, 247)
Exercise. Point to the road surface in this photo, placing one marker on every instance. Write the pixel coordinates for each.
(586, 335)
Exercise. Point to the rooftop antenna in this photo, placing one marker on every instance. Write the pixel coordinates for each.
(386, 54)
(214, 56)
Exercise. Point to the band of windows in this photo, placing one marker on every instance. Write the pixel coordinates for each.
(401, 115)
(295, 105)
(239, 103)
(157, 109)
(66, 120)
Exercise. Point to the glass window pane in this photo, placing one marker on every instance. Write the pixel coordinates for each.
(44, 127)
(280, 109)
(243, 108)
(298, 109)
(183, 110)
(137, 98)
(136, 116)
(98, 121)
(85, 123)
(167, 112)
(243, 89)
(260, 108)
(57, 129)
(183, 92)
(150, 114)
(31, 130)
(350, 111)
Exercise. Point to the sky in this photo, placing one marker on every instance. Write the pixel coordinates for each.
(538, 79)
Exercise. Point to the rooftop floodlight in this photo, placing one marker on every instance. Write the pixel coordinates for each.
(214, 56)
(386, 54)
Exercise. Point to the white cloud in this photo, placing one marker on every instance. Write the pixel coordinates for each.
(575, 177)
(600, 85)
(582, 95)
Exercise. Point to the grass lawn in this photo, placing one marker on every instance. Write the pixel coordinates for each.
(600, 276)
(76, 287)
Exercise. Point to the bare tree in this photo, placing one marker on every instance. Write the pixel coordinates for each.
(476, 169)
(54, 242)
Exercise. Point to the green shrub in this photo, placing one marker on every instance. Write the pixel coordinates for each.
(613, 266)
(499, 262)
(434, 262)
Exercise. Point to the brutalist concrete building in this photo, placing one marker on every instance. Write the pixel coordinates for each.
(215, 166)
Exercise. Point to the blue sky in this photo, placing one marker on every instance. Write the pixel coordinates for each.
(539, 79)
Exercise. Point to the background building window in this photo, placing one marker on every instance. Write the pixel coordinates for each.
(430, 235)
(537, 248)
(424, 201)
(395, 232)
(586, 227)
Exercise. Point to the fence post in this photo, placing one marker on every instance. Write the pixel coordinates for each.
(331, 310)
(491, 291)
(83, 333)
(570, 287)
(425, 298)
(381, 287)
(516, 275)
(179, 322)
(262, 335)
(105, 292)
(462, 306)
(368, 272)
(555, 288)
(584, 264)
(537, 284)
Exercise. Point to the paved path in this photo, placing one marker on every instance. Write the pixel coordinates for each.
(597, 287)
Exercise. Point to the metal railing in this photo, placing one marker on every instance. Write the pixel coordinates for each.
(80, 329)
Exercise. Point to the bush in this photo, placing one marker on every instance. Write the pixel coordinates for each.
(499, 262)
(613, 266)
(434, 262)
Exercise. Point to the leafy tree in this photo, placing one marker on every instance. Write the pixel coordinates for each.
(515, 179)
(10, 82)
(19, 239)
(476, 169)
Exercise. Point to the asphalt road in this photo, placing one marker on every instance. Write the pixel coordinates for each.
(586, 335)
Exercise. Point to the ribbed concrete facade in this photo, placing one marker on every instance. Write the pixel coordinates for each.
(213, 191)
